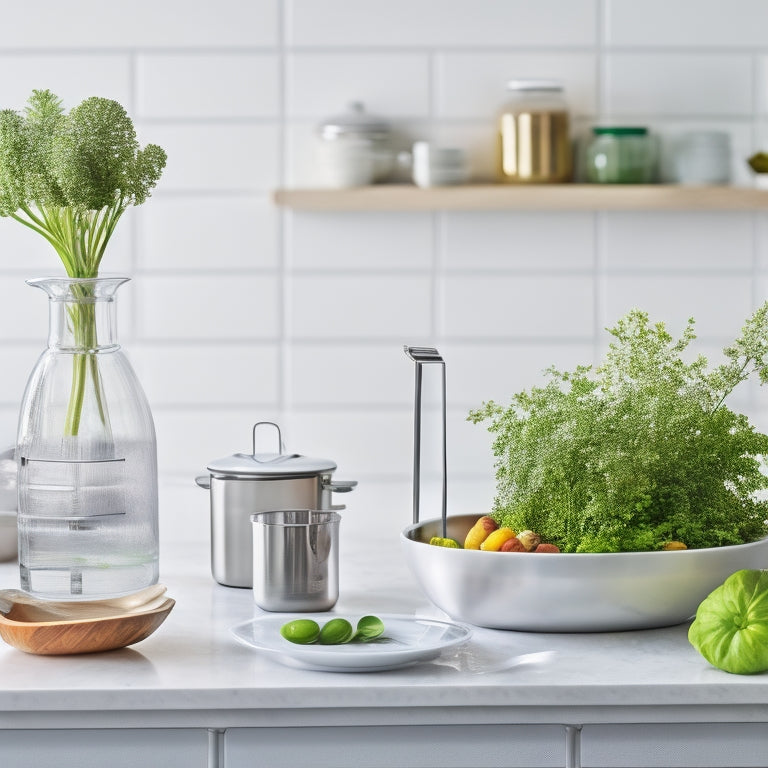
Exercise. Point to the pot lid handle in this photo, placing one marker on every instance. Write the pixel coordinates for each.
(280, 456)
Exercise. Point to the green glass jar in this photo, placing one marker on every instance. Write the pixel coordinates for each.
(621, 155)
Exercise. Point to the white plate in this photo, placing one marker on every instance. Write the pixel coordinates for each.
(406, 640)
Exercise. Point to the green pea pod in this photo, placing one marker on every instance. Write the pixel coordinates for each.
(301, 631)
(336, 632)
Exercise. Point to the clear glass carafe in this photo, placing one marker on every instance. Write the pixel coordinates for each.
(87, 455)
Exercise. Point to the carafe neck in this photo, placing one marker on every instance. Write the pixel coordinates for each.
(82, 313)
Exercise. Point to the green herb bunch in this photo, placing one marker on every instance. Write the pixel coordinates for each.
(70, 177)
(639, 451)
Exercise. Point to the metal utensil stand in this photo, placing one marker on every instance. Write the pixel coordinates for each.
(426, 356)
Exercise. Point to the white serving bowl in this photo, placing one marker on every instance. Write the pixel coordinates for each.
(568, 592)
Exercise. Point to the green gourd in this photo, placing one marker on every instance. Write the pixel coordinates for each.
(731, 626)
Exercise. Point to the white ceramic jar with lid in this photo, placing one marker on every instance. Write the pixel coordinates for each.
(534, 143)
(354, 148)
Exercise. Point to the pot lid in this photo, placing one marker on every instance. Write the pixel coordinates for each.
(355, 122)
(269, 464)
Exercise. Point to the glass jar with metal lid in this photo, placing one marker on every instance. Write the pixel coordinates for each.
(534, 143)
(621, 155)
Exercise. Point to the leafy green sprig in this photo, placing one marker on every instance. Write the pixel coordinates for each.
(70, 177)
(638, 451)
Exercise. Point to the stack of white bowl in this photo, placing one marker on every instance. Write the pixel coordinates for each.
(704, 157)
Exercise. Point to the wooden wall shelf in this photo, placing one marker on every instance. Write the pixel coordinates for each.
(540, 197)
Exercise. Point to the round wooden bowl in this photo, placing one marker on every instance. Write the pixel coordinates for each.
(84, 627)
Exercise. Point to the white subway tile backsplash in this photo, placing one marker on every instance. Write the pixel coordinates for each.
(208, 375)
(72, 77)
(513, 240)
(501, 306)
(348, 374)
(29, 253)
(673, 241)
(389, 85)
(360, 241)
(208, 233)
(359, 307)
(761, 288)
(23, 311)
(479, 372)
(719, 304)
(9, 418)
(473, 85)
(465, 23)
(303, 161)
(677, 84)
(761, 229)
(761, 143)
(241, 311)
(363, 442)
(761, 86)
(208, 307)
(686, 23)
(218, 85)
(216, 157)
(470, 446)
(361, 515)
(18, 362)
(94, 25)
(24, 250)
(188, 439)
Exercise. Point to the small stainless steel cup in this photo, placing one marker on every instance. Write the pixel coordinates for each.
(296, 559)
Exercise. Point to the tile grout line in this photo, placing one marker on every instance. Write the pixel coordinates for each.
(599, 285)
(436, 218)
(283, 356)
(134, 228)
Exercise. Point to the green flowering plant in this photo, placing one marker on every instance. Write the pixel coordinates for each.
(70, 177)
(640, 451)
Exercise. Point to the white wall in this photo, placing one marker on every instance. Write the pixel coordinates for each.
(239, 312)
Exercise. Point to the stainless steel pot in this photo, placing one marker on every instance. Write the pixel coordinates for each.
(243, 484)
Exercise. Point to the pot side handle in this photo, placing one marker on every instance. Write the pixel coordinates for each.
(204, 481)
(339, 486)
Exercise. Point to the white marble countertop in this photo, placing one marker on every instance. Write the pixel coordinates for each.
(193, 672)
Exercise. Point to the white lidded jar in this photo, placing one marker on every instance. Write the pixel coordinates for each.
(354, 149)
(534, 143)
